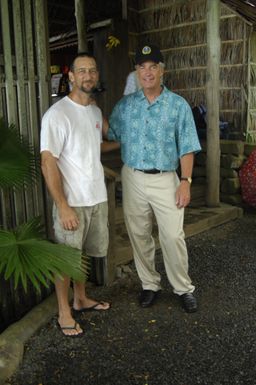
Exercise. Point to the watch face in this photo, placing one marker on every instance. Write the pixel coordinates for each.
(190, 180)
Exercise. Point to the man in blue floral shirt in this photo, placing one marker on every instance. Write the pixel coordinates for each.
(157, 133)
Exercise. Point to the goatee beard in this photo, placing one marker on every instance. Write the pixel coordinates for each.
(88, 91)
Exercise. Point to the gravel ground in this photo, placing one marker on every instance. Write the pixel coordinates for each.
(163, 345)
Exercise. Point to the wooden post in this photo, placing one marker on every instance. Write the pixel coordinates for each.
(11, 100)
(124, 9)
(111, 176)
(81, 25)
(212, 100)
(43, 56)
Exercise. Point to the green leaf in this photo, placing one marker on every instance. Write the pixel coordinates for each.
(19, 162)
(25, 255)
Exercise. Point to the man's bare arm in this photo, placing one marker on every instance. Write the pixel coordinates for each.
(105, 127)
(183, 194)
(107, 146)
(53, 179)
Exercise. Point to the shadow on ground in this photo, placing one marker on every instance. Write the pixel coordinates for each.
(163, 345)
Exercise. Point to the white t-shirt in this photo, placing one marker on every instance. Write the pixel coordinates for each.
(132, 83)
(73, 134)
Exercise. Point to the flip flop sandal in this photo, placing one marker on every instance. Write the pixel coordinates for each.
(63, 328)
(91, 308)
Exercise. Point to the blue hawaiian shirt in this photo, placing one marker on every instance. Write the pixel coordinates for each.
(153, 135)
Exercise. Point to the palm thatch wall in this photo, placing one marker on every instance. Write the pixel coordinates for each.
(178, 27)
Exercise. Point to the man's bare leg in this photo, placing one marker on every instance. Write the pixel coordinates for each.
(65, 317)
(81, 301)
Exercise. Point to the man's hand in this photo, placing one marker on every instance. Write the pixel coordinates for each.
(183, 194)
(68, 218)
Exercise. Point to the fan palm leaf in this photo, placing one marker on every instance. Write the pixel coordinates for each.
(19, 165)
(25, 255)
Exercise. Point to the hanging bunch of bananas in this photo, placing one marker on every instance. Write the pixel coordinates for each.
(112, 42)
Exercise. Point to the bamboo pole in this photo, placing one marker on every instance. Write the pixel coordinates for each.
(212, 100)
(43, 72)
(19, 196)
(43, 59)
(81, 25)
(20, 66)
(32, 102)
(7, 51)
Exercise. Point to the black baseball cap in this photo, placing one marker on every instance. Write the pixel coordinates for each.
(148, 52)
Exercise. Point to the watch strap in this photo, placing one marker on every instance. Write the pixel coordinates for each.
(188, 179)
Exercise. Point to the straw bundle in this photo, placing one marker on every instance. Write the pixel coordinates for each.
(194, 98)
(174, 14)
(180, 79)
(186, 58)
(231, 99)
(178, 37)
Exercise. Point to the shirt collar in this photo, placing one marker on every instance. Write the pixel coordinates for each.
(161, 97)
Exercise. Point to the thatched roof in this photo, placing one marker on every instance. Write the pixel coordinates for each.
(61, 13)
(246, 8)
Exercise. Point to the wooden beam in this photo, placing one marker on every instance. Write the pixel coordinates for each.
(212, 101)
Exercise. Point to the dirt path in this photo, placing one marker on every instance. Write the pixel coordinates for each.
(163, 345)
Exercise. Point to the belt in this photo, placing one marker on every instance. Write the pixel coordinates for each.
(152, 171)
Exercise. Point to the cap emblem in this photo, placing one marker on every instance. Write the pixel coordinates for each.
(146, 50)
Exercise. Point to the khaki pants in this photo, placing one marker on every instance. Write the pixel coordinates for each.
(143, 195)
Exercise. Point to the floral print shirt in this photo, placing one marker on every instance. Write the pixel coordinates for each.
(156, 135)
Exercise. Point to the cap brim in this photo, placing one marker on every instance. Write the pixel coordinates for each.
(143, 60)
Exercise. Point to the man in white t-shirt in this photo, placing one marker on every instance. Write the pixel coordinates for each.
(71, 138)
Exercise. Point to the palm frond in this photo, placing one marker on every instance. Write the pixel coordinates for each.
(25, 255)
(19, 163)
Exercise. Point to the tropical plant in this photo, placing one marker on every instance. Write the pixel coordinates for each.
(24, 252)
(19, 163)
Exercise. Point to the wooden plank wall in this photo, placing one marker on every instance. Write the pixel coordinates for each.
(24, 97)
(178, 27)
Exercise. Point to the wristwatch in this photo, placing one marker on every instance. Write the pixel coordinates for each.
(188, 179)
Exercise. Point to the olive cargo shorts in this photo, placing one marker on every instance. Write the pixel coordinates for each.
(91, 235)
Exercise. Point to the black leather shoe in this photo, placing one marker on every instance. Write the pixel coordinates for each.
(147, 297)
(189, 302)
